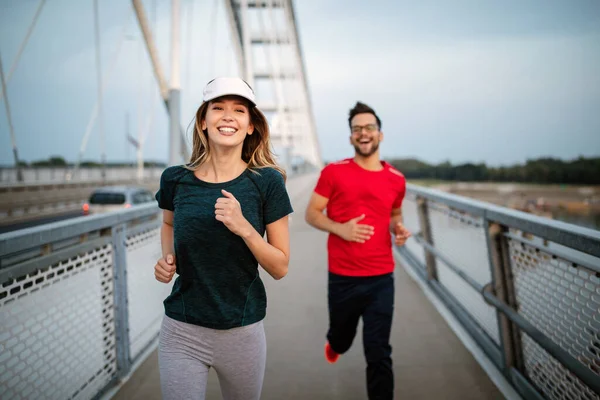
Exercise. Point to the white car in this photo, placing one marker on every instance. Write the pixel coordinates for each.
(115, 198)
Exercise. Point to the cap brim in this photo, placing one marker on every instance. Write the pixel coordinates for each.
(231, 94)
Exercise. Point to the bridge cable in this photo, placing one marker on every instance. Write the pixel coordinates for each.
(146, 125)
(99, 80)
(150, 118)
(94, 115)
(22, 47)
(188, 53)
(213, 40)
(10, 126)
(140, 107)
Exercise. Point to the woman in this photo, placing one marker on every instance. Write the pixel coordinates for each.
(216, 211)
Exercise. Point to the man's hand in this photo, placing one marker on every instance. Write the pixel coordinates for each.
(165, 269)
(401, 234)
(229, 212)
(352, 231)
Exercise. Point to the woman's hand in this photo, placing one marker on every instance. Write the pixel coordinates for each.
(229, 212)
(165, 268)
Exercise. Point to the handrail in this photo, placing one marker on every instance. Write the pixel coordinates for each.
(577, 237)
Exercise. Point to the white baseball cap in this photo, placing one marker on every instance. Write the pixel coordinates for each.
(228, 86)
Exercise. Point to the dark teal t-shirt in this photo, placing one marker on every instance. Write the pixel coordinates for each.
(218, 284)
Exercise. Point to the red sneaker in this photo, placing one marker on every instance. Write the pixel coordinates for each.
(330, 355)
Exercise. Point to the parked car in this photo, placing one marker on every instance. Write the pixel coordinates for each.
(114, 198)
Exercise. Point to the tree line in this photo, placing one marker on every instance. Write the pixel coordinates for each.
(542, 170)
(59, 162)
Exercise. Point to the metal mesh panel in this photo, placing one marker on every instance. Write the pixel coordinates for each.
(461, 238)
(145, 294)
(562, 300)
(57, 336)
(551, 378)
(411, 221)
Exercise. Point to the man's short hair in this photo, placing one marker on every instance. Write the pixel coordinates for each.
(362, 108)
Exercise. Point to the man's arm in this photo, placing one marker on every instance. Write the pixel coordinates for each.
(396, 218)
(401, 234)
(350, 230)
(315, 217)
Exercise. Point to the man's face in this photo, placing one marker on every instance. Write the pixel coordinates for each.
(364, 134)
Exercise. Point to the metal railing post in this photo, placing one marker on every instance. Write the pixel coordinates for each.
(503, 288)
(423, 212)
(119, 237)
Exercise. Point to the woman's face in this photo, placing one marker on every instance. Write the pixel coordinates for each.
(227, 121)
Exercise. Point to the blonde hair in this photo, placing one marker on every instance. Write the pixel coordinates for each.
(256, 150)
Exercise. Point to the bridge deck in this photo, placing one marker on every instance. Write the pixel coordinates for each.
(430, 362)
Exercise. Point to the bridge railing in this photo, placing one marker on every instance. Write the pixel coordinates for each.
(78, 303)
(30, 201)
(526, 288)
(46, 175)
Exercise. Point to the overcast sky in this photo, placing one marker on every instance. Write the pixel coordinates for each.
(464, 81)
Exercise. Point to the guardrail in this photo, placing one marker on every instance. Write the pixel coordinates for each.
(78, 303)
(23, 202)
(526, 288)
(45, 175)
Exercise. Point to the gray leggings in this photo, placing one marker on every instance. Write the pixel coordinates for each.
(186, 352)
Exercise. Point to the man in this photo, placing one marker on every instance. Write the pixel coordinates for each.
(363, 198)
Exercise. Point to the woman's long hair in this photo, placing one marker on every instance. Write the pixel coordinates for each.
(256, 150)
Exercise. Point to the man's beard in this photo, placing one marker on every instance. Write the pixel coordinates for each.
(371, 151)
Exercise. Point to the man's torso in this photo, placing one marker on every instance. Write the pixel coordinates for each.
(355, 191)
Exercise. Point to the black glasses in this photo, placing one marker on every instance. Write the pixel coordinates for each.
(358, 129)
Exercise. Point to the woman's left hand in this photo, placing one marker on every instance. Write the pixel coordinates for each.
(229, 212)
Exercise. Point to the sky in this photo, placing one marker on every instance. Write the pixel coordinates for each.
(488, 81)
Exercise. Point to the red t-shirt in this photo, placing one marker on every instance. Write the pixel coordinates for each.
(353, 191)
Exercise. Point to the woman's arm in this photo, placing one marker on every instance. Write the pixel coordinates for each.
(165, 267)
(166, 234)
(274, 254)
